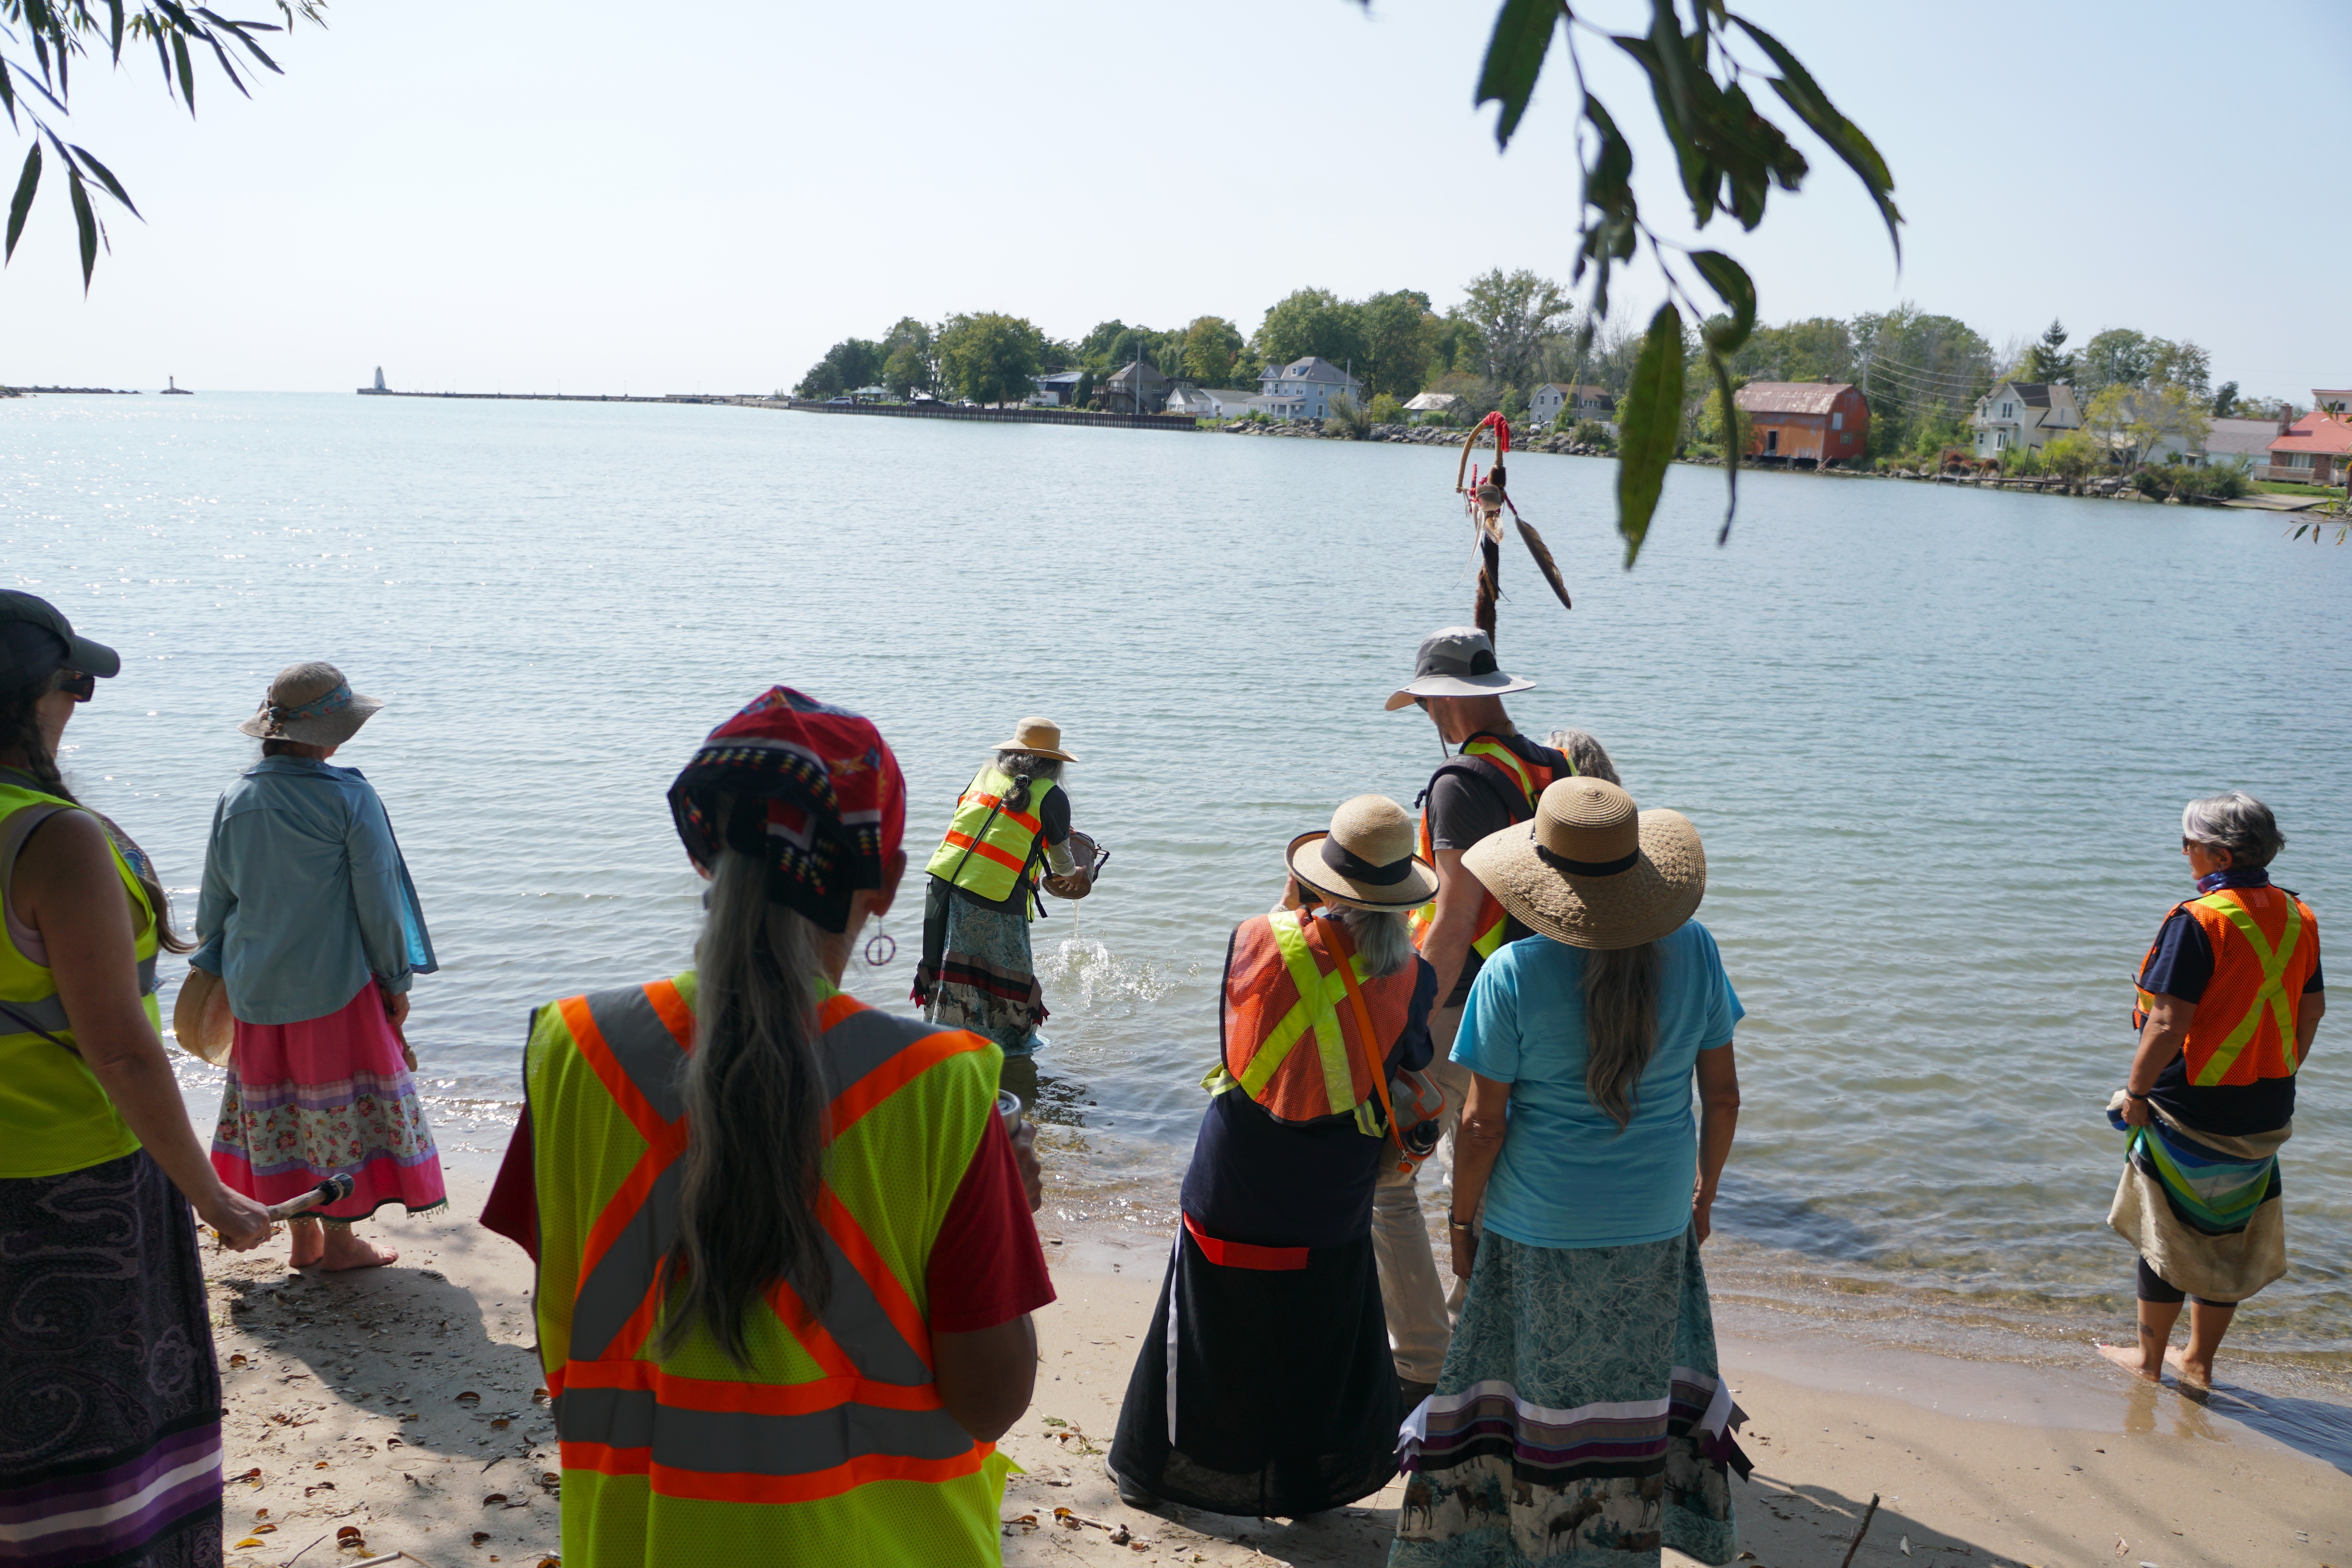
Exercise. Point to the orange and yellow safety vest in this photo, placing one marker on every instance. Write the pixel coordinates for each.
(1283, 989)
(834, 1445)
(991, 849)
(2265, 944)
(1522, 785)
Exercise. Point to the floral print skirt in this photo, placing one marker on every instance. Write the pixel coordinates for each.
(1581, 1419)
(305, 1101)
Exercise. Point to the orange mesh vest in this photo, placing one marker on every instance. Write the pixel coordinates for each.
(1291, 1038)
(1518, 784)
(2266, 944)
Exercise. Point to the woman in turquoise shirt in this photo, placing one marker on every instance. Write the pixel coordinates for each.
(1581, 1410)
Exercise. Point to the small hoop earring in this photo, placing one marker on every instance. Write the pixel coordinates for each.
(881, 948)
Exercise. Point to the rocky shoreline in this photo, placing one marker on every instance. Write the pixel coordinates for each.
(2109, 487)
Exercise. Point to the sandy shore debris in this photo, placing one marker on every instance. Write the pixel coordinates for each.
(400, 1404)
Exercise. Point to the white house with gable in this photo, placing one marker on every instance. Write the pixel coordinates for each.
(1309, 386)
(2022, 414)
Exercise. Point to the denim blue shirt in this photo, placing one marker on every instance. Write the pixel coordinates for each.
(306, 897)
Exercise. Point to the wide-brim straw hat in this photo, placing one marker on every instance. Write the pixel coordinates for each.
(200, 1021)
(1039, 738)
(312, 704)
(1590, 871)
(1365, 857)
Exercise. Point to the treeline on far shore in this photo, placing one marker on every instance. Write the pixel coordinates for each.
(1513, 332)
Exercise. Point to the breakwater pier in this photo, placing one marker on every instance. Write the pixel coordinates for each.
(571, 396)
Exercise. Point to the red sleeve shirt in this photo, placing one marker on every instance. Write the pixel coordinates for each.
(986, 1265)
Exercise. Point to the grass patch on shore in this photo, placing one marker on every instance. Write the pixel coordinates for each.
(2287, 488)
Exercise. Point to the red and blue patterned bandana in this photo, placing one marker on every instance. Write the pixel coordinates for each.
(834, 803)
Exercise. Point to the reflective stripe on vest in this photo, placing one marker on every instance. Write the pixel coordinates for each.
(873, 1412)
(1282, 985)
(988, 848)
(1531, 781)
(2245, 1026)
(50, 1011)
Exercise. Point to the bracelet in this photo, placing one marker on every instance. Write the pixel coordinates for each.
(1452, 1224)
(2134, 1093)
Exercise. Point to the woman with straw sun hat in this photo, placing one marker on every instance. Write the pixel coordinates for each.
(1580, 1397)
(1010, 835)
(1266, 1385)
(309, 918)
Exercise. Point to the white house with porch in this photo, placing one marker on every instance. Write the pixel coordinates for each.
(2023, 415)
(1309, 384)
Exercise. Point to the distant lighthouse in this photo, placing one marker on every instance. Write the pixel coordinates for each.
(378, 378)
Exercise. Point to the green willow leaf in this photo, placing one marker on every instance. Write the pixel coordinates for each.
(21, 203)
(187, 71)
(1800, 92)
(1649, 422)
(1729, 279)
(106, 177)
(1731, 443)
(1514, 57)
(86, 221)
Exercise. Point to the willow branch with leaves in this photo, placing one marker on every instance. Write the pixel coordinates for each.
(34, 92)
(1729, 158)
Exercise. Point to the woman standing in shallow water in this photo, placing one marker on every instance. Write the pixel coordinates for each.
(2229, 999)
(309, 918)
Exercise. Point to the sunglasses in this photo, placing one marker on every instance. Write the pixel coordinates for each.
(82, 688)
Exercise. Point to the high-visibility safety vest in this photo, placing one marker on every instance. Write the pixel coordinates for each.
(989, 849)
(2265, 944)
(834, 1445)
(1519, 783)
(54, 1116)
(1293, 1041)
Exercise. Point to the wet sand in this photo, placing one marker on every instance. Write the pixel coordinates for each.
(351, 1404)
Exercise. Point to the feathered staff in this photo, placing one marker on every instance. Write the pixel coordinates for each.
(1484, 499)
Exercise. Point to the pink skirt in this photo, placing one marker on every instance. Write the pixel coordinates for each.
(305, 1101)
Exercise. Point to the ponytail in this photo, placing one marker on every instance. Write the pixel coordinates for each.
(755, 1102)
(1621, 1026)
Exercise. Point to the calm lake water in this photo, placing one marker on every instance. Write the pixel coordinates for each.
(1937, 742)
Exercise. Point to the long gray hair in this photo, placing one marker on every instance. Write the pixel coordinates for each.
(1621, 1026)
(1024, 766)
(1382, 940)
(755, 1104)
(1591, 758)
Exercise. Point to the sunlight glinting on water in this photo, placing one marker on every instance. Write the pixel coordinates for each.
(1937, 744)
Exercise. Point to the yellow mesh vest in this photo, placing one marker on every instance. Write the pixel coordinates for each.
(831, 1448)
(54, 1116)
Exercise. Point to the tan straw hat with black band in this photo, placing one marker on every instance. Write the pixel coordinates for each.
(1039, 738)
(1590, 871)
(312, 704)
(1365, 861)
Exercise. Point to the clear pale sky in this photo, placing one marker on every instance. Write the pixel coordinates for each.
(534, 196)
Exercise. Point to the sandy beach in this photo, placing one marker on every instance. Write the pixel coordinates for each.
(396, 1410)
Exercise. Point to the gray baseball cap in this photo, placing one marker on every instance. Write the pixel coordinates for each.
(1458, 661)
(18, 608)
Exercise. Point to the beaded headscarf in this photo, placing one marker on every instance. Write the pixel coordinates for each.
(834, 801)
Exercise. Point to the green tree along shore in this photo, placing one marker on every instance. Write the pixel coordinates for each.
(1512, 332)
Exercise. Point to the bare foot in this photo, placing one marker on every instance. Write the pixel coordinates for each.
(2128, 1358)
(349, 1252)
(2191, 1372)
(309, 1246)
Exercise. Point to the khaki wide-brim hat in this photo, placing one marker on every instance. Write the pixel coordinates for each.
(1365, 859)
(310, 703)
(200, 1021)
(1038, 737)
(1592, 871)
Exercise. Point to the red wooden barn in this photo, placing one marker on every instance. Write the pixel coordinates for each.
(1804, 422)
